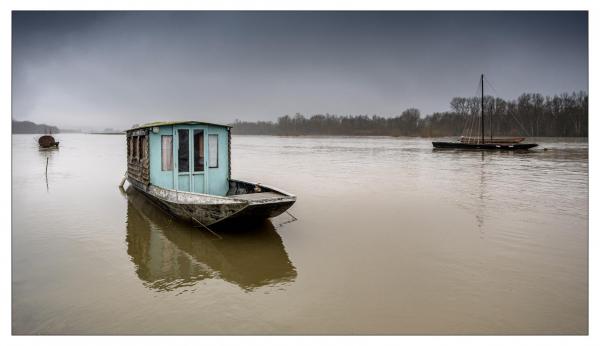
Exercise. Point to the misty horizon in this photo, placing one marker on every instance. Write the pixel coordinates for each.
(96, 70)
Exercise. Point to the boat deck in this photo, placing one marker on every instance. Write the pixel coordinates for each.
(258, 196)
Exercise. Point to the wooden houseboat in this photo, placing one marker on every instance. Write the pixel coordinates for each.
(186, 168)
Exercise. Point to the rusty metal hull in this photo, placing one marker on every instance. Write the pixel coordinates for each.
(265, 202)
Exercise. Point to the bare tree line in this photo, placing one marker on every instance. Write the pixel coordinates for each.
(564, 115)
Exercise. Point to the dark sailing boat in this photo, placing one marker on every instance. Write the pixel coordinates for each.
(506, 143)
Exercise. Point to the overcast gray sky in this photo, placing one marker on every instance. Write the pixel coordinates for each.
(114, 69)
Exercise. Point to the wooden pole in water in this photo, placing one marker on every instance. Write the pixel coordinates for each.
(47, 167)
(123, 180)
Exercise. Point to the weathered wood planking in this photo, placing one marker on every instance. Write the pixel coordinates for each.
(138, 163)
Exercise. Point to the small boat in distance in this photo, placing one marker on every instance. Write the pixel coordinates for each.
(480, 142)
(47, 142)
(185, 167)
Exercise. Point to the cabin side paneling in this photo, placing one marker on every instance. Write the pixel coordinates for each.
(218, 177)
(159, 177)
(137, 157)
(210, 178)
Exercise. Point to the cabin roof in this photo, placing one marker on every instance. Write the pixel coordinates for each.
(170, 123)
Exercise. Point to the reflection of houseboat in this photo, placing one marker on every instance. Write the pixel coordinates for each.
(169, 255)
(185, 166)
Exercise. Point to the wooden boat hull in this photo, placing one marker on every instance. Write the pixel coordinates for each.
(47, 141)
(498, 140)
(51, 146)
(484, 146)
(210, 209)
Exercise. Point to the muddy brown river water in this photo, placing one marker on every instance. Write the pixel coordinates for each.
(392, 237)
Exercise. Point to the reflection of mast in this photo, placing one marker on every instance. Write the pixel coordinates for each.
(169, 255)
(481, 206)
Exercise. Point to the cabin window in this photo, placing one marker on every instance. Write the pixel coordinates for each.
(166, 150)
(136, 148)
(213, 151)
(129, 149)
(198, 150)
(184, 150)
(142, 148)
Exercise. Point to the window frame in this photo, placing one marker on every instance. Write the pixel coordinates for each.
(194, 132)
(213, 135)
(162, 150)
(184, 148)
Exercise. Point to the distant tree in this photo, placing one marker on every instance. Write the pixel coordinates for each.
(530, 114)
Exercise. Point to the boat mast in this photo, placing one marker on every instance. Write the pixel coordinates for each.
(482, 118)
(491, 125)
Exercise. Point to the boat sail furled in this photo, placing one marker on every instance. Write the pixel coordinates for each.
(480, 142)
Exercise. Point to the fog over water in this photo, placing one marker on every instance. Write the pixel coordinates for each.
(114, 69)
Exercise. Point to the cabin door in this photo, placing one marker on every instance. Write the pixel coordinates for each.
(198, 160)
(189, 151)
(181, 149)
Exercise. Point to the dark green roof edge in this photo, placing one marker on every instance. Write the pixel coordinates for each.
(171, 123)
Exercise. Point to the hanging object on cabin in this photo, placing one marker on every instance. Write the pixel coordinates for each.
(480, 142)
(47, 141)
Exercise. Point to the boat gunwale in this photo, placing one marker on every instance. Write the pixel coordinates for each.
(244, 204)
(267, 186)
(483, 146)
(285, 197)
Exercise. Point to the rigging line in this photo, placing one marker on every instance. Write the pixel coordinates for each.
(520, 124)
(466, 124)
(472, 124)
(494, 101)
(470, 120)
(206, 227)
(478, 87)
(476, 119)
(490, 84)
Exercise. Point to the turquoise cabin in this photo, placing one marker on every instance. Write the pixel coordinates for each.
(188, 156)
(185, 167)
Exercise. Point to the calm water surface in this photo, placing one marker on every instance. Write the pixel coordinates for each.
(391, 237)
